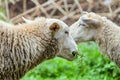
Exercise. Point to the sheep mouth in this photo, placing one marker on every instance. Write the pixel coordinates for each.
(66, 54)
(75, 53)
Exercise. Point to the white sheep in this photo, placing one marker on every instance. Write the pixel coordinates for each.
(93, 27)
(24, 46)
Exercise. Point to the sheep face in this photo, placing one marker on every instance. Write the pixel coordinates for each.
(85, 28)
(66, 42)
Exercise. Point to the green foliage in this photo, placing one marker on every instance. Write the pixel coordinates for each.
(2, 13)
(93, 66)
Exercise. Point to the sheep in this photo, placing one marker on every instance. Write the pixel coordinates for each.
(93, 27)
(24, 46)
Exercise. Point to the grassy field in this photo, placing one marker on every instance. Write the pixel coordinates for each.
(93, 66)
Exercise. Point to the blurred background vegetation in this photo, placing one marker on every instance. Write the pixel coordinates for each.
(93, 65)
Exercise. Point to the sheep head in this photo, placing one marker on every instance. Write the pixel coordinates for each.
(61, 33)
(86, 27)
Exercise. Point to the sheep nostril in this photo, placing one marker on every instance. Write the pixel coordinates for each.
(74, 53)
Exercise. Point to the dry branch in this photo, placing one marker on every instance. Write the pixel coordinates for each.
(67, 10)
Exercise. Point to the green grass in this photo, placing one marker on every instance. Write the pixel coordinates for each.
(93, 66)
(3, 14)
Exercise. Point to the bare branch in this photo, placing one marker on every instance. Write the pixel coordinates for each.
(41, 7)
(24, 5)
(79, 6)
(7, 9)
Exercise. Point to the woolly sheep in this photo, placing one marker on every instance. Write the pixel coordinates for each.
(24, 46)
(93, 27)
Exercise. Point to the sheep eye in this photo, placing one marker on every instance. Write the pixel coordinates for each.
(82, 24)
(66, 32)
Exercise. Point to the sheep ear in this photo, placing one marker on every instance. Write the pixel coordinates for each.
(26, 20)
(54, 27)
(91, 21)
(84, 12)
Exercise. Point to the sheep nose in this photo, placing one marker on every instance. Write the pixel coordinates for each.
(75, 53)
